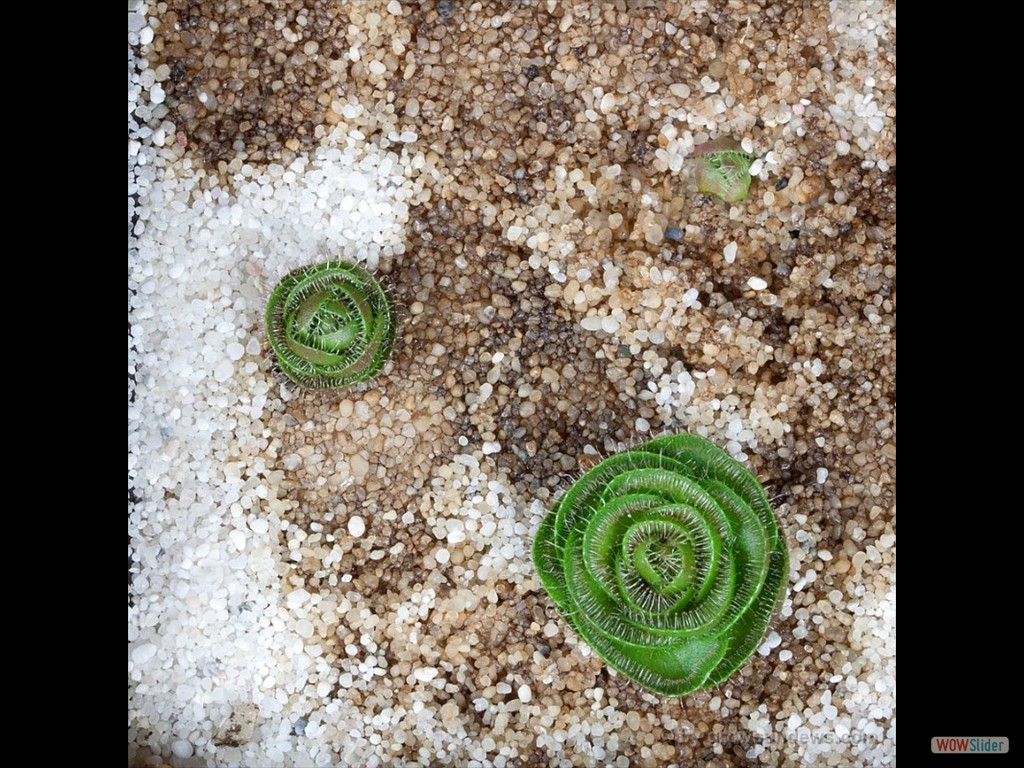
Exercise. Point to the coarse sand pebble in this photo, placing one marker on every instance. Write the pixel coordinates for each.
(345, 578)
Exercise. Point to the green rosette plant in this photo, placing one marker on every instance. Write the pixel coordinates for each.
(331, 325)
(723, 169)
(668, 560)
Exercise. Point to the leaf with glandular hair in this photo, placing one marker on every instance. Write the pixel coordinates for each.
(331, 325)
(668, 560)
(723, 169)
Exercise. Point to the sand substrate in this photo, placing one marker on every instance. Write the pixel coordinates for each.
(345, 579)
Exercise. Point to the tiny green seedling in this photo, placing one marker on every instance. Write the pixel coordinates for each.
(723, 169)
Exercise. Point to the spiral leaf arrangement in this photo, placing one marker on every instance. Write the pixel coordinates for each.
(668, 561)
(723, 169)
(331, 325)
